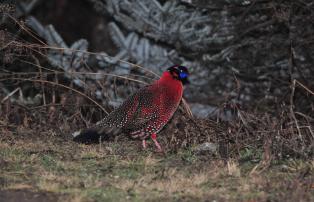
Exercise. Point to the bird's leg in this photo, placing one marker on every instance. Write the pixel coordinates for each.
(154, 138)
(144, 144)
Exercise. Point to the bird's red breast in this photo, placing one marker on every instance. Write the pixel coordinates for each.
(170, 90)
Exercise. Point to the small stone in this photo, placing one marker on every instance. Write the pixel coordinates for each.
(206, 148)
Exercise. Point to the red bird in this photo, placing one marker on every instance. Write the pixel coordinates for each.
(144, 113)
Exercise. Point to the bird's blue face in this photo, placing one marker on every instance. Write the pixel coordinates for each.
(180, 73)
(183, 75)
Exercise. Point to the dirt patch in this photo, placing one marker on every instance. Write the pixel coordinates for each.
(26, 195)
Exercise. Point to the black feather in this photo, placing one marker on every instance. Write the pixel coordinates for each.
(95, 134)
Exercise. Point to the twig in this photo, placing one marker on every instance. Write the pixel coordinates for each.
(292, 111)
(305, 116)
(57, 84)
(73, 73)
(10, 94)
(187, 108)
(303, 86)
(41, 77)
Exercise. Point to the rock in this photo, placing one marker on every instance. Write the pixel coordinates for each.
(206, 148)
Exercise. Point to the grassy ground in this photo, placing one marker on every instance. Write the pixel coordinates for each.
(50, 167)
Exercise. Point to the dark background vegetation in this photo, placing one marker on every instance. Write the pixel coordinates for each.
(65, 64)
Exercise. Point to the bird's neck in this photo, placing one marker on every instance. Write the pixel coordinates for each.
(172, 83)
(167, 77)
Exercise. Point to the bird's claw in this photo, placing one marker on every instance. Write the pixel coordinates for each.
(154, 138)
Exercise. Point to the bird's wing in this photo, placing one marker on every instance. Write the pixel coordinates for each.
(135, 112)
(145, 109)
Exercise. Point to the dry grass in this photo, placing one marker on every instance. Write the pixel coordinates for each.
(91, 173)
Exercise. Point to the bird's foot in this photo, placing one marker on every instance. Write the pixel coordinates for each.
(154, 138)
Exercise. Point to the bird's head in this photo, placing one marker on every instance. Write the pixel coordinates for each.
(180, 73)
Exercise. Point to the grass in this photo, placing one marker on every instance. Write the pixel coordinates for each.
(122, 172)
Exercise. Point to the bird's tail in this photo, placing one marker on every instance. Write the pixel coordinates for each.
(94, 134)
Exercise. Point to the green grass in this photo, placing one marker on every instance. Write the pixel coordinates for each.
(110, 173)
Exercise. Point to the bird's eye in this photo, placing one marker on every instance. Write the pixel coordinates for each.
(183, 75)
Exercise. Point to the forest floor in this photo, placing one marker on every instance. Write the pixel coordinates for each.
(42, 165)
